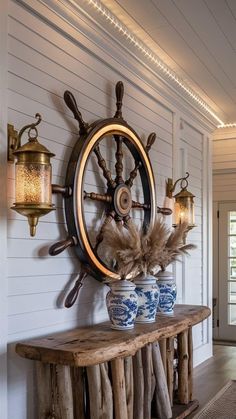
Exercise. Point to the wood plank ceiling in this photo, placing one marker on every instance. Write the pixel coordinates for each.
(195, 38)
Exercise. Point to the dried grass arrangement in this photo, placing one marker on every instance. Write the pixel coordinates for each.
(122, 246)
(135, 252)
(174, 246)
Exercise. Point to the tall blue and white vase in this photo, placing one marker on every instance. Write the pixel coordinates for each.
(122, 304)
(168, 292)
(148, 297)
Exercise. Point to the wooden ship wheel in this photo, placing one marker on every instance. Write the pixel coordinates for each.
(117, 197)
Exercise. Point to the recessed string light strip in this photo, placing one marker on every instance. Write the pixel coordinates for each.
(230, 125)
(121, 28)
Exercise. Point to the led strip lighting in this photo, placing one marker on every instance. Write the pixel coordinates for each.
(148, 53)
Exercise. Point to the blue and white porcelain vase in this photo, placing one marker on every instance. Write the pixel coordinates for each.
(148, 297)
(122, 304)
(167, 287)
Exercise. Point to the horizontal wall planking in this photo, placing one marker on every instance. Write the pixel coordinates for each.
(226, 158)
(224, 145)
(56, 88)
(65, 137)
(224, 165)
(226, 134)
(58, 69)
(197, 172)
(53, 119)
(223, 196)
(34, 248)
(197, 154)
(56, 216)
(191, 142)
(22, 304)
(23, 285)
(193, 133)
(226, 187)
(30, 107)
(45, 230)
(45, 31)
(91, 317)
(223, 179)
(60, 319)
(42, 266)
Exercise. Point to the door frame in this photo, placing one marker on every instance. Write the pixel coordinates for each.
(218, 314)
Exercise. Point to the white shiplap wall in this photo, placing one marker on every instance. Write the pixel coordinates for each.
(42, 63)
(224, 164)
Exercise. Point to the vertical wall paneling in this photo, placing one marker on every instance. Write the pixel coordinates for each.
(51, 50)
(176, 170)
(3, 209)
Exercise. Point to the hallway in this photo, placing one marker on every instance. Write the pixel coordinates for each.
(213, 374)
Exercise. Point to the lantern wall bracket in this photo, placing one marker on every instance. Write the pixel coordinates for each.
(170, 187)
(14, 137)
(13, 142)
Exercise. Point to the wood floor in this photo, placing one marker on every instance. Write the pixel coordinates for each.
(212, 375)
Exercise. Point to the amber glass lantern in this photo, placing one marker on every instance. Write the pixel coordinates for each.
(33, 196)
(184, 202)
(184, 208)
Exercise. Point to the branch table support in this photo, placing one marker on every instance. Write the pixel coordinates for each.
(99, 373)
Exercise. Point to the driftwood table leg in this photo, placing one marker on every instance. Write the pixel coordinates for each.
(183, 365)
(118, 385)
(95, 390)
(190, 364)
(129, 384)
(107, 396)
(62, 392)
(162, 344)
(170, 367)
(44, 390)
(78, 392)
(138, 385)
(162, 399)
(147, 372)
(100, 392)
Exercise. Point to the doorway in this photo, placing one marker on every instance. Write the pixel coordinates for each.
(227, 271)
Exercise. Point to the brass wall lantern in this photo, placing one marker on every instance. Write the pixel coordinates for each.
(33, 174)
(184, 202)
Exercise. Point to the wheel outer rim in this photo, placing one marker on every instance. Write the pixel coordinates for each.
(107, 129)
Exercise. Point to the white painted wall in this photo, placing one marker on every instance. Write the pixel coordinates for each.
(48, 53)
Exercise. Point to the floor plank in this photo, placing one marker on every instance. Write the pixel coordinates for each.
(213, 374)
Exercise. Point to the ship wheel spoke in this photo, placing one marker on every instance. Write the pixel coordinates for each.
(129, 182)
(139, 205)
(164, 211)
(98, 197)
(127, 221)
(108, 219)
(102, 164)
(119, 160)
(119, 221)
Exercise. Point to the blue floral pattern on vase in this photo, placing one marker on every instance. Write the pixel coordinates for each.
(148, 296)
(122, 305)
(168, 293)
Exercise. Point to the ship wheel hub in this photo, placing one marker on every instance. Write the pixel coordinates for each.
(122, 200)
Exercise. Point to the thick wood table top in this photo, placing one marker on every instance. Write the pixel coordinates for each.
(99, 343)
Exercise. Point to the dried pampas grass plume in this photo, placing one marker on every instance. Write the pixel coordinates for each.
(123, 245)
(136, 252)
(174, 246)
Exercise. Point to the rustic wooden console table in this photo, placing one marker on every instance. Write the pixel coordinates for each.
(99, 373)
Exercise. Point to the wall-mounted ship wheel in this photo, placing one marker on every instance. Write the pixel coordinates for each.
(117, 197)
